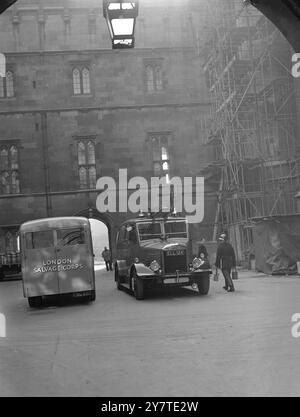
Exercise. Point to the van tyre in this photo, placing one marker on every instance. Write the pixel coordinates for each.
(93, 295)
(203, 284)
(137, 286)
(35, 302)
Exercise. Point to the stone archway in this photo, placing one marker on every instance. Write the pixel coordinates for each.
(5, 4)
(285, 14)
(107, 219)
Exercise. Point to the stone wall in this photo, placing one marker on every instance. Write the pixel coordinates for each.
(43, 41)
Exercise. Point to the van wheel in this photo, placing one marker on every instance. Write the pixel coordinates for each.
(137, 286)
(93, 295)
(35, 302)
(203, 284)
(117, 278)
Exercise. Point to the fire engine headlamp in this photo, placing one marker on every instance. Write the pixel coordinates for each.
(197, 263)
(154, 266)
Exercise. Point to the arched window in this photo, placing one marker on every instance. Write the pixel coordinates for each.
(165, 166)
(156, 149)
(156, 169)
(5, 183)
(158, 78)
(9, 84)
(9, 166)
(76, 81)
(82, 177)
(14, 157)
(15, 187)
(17, 238)
(154, 77)
(160, 152)
(3, 159)
(86, 87)
(87, 163)
(1, 87)
(165, 161)
(149, 78)
(81, 153)
(92, 177)
(164, 154)
(9, 242)
(91, 153)
(81, 81)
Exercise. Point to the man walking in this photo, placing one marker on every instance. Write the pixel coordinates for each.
(107, 259)
(225, 260)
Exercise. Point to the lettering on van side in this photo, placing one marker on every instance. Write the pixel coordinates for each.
(56, 265)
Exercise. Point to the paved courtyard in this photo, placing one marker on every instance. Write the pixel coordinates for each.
(174, 343)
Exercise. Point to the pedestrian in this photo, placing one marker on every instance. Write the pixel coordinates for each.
(202, 251)
(106, 255)
(225, 260)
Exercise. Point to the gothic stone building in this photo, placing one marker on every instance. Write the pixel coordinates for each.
(73, 110)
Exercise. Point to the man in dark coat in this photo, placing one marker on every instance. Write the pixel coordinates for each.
(225, 260)
(106, 255)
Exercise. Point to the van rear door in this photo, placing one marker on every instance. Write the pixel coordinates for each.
(74, 260)
(40, 269)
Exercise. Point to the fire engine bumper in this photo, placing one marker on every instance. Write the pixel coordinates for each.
(177, 279)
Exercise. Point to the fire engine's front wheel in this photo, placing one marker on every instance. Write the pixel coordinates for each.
(203, 284)
(35, 302)
(137, 286)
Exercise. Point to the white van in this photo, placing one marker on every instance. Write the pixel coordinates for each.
(57, 258)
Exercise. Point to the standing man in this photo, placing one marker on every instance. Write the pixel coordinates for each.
(225, 260)
(107, 259)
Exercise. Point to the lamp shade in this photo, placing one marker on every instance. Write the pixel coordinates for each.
(121, 16)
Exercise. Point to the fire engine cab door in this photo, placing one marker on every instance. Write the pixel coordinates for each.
(40, 271)
(74, 260)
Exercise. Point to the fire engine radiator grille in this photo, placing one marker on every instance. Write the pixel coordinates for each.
(175, 260)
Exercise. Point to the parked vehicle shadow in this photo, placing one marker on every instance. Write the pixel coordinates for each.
(167, 293)
(61, 301)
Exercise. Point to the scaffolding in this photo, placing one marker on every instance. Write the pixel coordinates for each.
(254, 132)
